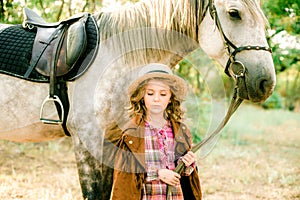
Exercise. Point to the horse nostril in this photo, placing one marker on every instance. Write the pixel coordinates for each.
(264, 86)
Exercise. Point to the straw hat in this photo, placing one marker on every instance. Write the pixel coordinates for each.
(157, 70)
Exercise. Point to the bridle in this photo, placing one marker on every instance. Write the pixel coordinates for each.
(234, 69)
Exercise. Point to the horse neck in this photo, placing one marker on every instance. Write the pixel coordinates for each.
(176, 15)
(182, 16)
(159, 26)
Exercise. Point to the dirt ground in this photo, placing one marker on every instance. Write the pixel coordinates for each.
(264, 165)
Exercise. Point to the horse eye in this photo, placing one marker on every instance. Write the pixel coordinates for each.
(234, 14)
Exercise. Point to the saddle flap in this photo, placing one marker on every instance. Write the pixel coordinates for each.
(43, 64)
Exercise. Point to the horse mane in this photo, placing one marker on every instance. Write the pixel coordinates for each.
(181, 16)
(165, 14)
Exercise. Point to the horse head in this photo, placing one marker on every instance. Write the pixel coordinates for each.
(233, 33)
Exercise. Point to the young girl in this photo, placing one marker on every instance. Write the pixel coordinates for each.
(154, 141)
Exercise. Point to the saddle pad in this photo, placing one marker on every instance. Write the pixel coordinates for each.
(15, 52)
(16, 49)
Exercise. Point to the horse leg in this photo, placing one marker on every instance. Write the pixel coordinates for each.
(95, 178)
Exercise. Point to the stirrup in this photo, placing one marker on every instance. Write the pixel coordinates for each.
(52, 121)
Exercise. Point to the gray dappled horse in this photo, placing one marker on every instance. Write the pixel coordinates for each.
(162, 31)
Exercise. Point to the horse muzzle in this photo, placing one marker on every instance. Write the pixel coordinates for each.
(256, 91)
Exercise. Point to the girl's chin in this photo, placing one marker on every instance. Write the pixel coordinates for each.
(156, 110)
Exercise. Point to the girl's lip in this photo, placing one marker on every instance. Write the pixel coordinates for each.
(156, 106)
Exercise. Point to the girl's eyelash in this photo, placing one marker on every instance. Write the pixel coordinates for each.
(152, 93)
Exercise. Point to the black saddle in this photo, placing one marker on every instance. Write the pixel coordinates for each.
(30, 51)
(50, 52)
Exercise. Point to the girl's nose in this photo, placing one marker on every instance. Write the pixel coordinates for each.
(156, 97)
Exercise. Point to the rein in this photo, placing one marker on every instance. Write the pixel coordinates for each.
(235, 103)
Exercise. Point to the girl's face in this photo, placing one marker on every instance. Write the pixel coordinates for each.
(157, 97)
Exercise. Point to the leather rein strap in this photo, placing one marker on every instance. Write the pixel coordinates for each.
(235, 103)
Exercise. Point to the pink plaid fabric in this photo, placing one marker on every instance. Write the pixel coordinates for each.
(159, 151)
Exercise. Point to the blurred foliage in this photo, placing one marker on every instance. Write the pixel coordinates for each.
(289, 87)
(273, 102)
(52, 11)
(283, 15)
(198, 111)
(284, 18)
(204, 76)
(11, 11)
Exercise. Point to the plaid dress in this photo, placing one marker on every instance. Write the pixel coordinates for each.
(159, 152)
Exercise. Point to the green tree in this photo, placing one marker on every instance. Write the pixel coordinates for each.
(283, 15)
(12, 11)
(284, 18)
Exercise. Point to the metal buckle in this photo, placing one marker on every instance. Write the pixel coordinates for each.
(237, 69)
(54, 99)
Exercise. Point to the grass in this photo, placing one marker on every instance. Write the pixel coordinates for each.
(38, 171)
(256, 157)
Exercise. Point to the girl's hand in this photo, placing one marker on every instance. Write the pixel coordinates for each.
(189, 158)
(168, 176)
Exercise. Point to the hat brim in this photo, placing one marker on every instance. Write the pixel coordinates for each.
(180, 85)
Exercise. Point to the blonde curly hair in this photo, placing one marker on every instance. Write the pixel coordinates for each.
(138, 108)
